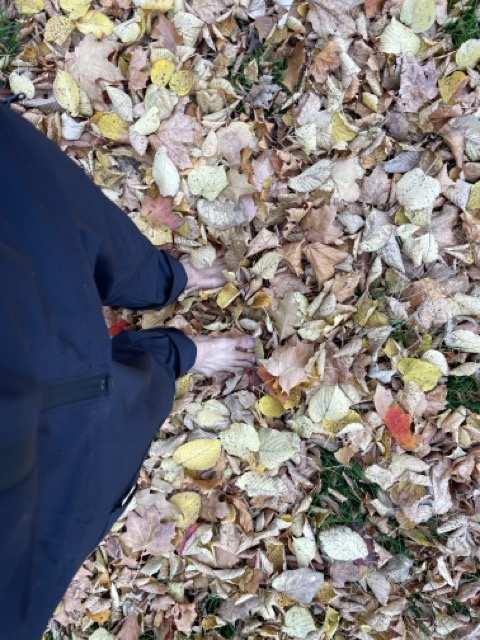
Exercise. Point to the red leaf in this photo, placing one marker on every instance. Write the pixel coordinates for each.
(160, 209)
(188, 533)
(399, 424)
(118, 327)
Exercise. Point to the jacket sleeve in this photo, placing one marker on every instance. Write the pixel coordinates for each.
(129, 271)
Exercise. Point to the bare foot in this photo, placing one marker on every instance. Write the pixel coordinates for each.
(215, 355)
(207, 278)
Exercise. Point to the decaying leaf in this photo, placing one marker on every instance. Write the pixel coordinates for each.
(300, 584)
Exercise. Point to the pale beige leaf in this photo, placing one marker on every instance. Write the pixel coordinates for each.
(314, 177)
(398, 39)
(207, 181)
(20, 83)
(328, 403)
(419, 15)
(240, 440)
(276, 447)
(342, 543)
(165, 173)
(299, 584)
(121, 103)
(298, 622)
(463, 340)
(66, 92)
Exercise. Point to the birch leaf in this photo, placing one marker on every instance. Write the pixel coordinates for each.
(66, 92)
(198, 455)
(58, 29)
(468, 54)
(314, 177)
(20, 83)
(415, 190)
(240, 440)
(423, 373)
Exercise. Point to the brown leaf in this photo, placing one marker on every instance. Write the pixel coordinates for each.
(264, 240)
(232, 139)
(89, 63)
(296, 60)
(130, 628)
(288, 364)
(372, 7)
(184, 616)
(376, 187)
(292, 254)
(323, 258)
(333, 17)
(138, 69)
(238, 186)
(319, 223)
(160, 209)
(148, 534)
(418, 84)
(327, 60)
(164, 30)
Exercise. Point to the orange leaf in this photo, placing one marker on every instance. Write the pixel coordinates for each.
(399, 425)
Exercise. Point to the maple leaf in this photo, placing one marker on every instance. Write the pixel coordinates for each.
(89, 63)
(178, 134)
(160, 209)
(399, 423)
(323, 258)
(319, 224)
(148, 534)
(327, 60)
(288, 364)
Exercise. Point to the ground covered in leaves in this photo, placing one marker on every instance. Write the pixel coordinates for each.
(331, 150)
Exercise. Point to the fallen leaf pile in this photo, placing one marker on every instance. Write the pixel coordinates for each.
(331, 151)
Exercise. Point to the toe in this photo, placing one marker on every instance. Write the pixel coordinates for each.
(246, 342)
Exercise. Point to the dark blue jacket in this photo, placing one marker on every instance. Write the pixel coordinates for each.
(78, 410)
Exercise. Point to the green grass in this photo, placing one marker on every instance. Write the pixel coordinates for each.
(463, 390)
(350, 482)
(210, 605)
(394, 544)
(464, 24)
(10, 42)
(455, 607)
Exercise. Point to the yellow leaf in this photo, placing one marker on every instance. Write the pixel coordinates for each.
(449, 85)
(342, 131)
(112, 126)
(182, 82)
(330, 624)
(182, 386)
(21, 84)
(270, 407)
(260, 299)
(198, 455)
(294, 398)
(398, 39)
(207, 181)
(58, 29)
(189, 504)
(97, 23)
(227, 295)
(468, 54)
(75, 8)
(162, 72)
(154, 5)
(66, 92)
(474, 199)
(419, 15)
(100, 616)
(157, 233)
(30, 7)
(425, 374)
